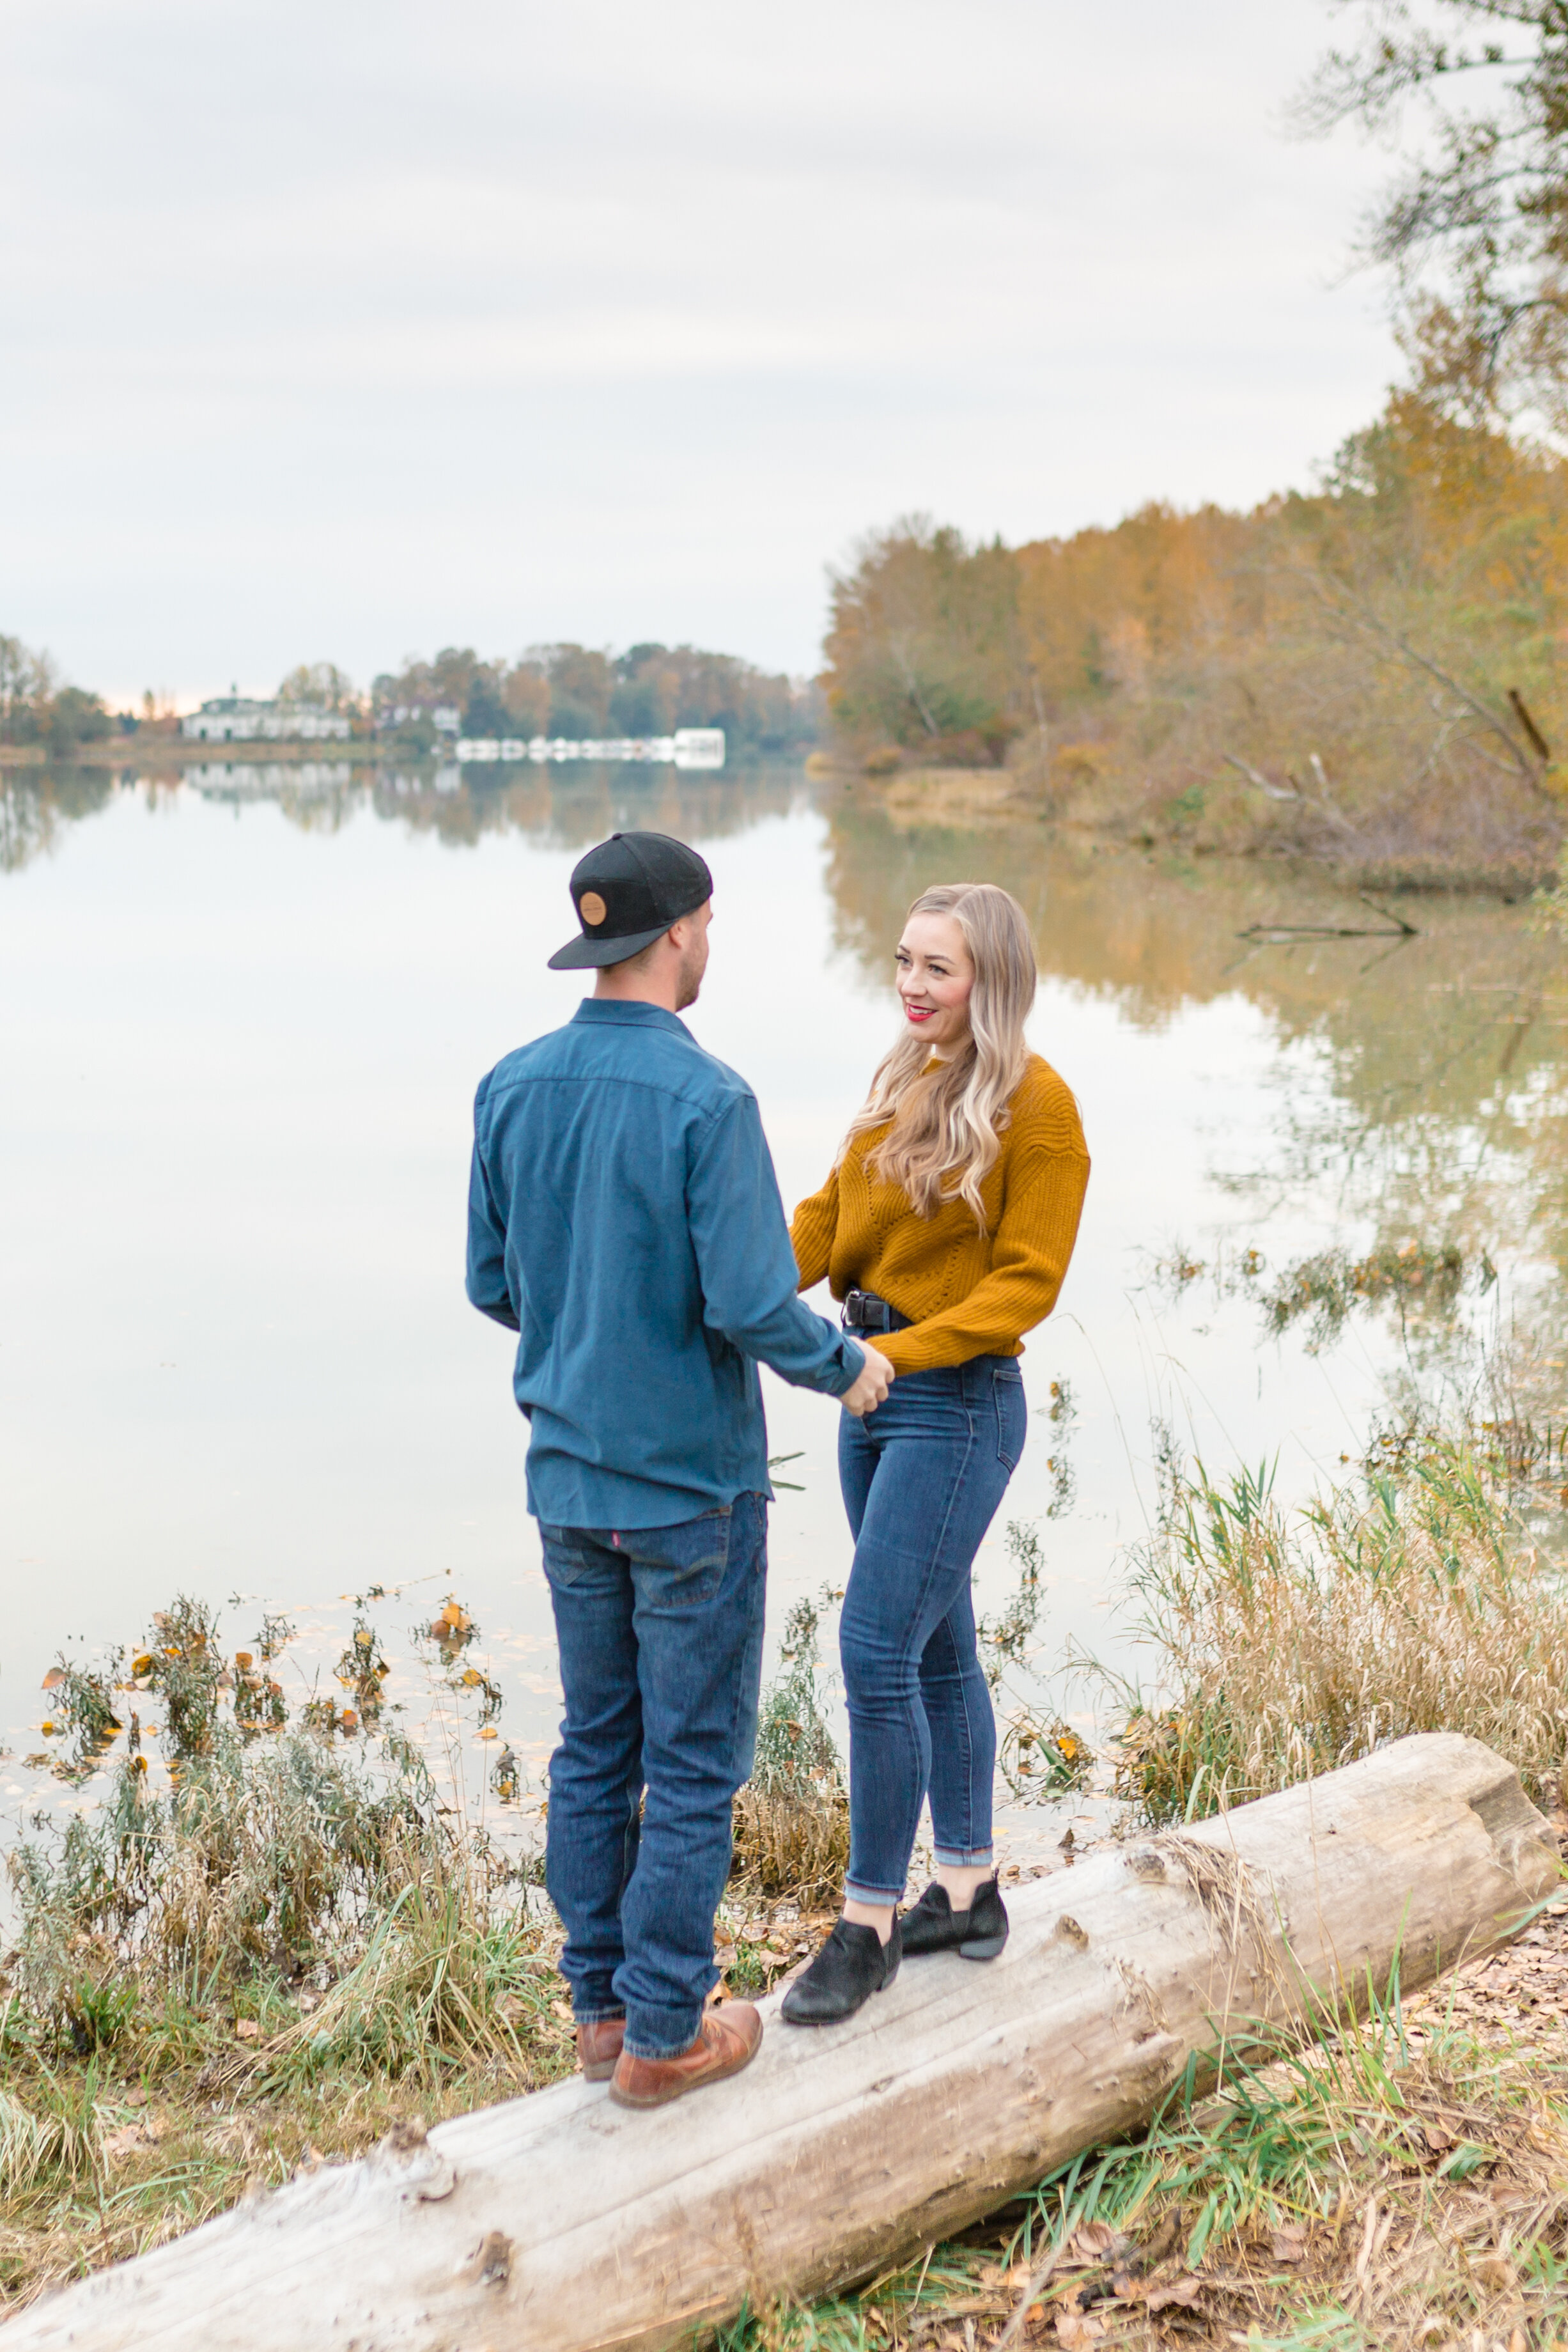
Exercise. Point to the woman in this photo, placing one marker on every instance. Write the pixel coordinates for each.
(945, 1229)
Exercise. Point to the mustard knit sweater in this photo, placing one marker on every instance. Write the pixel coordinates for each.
(967, 1293)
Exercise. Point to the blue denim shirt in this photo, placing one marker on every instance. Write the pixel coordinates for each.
(624, 1220)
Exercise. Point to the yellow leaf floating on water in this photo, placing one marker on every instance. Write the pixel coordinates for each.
(141, 1663)
(488, 1732)
(472, 1678)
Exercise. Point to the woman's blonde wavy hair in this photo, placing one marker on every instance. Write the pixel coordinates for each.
(946, 1129)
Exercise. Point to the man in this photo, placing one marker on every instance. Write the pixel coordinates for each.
(624, 1220)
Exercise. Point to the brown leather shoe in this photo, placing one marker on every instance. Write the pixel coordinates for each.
(726, 2041)
(599, 2046)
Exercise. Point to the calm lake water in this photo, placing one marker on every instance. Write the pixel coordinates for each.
(243, 1018)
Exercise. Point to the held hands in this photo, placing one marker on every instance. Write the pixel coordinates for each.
(876, 1376)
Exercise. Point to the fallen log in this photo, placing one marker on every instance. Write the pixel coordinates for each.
(560, 2221)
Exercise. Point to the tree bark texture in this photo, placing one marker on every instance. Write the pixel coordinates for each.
(560, 2221)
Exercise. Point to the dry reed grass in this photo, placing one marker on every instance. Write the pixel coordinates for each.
(1293, 1643)
(792, 1818)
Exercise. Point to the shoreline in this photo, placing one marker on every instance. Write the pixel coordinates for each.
(183, 751)
(912, 800)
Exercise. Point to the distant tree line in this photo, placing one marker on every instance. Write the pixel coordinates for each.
(582, 691)
(558, 689)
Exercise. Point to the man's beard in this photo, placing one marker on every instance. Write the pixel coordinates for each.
(689, 979)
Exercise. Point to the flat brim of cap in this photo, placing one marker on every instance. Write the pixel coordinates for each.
(583, 954)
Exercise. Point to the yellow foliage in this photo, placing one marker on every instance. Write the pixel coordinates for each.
(1374, 671)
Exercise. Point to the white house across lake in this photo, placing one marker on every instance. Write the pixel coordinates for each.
(238, 718)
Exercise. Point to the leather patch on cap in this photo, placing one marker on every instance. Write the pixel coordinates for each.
(592, 906)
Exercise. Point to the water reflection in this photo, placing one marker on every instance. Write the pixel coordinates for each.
(1446, 1114)
(560, 808)
(238, 1069)
(36, 803)
(1443, 1120)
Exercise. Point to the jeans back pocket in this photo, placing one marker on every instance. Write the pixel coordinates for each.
(1012, 1414)
(681, 1567)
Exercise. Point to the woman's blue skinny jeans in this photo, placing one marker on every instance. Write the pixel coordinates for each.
(922, 1477)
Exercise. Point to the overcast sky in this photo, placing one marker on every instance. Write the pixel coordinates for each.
(339, 331)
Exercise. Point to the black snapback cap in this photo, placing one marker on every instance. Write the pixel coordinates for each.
(627, 893)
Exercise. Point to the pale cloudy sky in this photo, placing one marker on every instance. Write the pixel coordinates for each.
(340, 330)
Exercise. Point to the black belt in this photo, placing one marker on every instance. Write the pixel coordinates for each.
(864, 1311)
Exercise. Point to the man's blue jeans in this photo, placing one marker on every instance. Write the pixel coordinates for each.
(922, 1477)
(660, 1632)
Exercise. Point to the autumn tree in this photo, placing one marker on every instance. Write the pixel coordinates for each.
(320, 685)
(1475, 226)
(26, 682)
(923, 646)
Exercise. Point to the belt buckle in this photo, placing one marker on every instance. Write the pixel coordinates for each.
(855, 1310)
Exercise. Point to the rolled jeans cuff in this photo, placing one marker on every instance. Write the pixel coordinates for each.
(959, 1857)
(652, 2040)
(879, 1897)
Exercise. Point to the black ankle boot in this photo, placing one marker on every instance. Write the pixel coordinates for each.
(852, 1964)
(977, 1933)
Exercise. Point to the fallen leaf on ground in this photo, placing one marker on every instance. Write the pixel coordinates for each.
(247, 2029)
(1093, 2241)
(1184, 2291)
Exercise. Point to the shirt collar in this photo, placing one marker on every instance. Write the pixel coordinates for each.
(626, 1013)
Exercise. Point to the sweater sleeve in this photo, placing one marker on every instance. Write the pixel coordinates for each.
(1029, 1256)
(816, 1221)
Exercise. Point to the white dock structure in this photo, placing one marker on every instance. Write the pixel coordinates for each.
(688, 747)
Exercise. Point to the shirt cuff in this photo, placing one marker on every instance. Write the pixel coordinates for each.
(853, 1356)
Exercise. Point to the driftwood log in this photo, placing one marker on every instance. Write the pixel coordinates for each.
(560, 2221)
